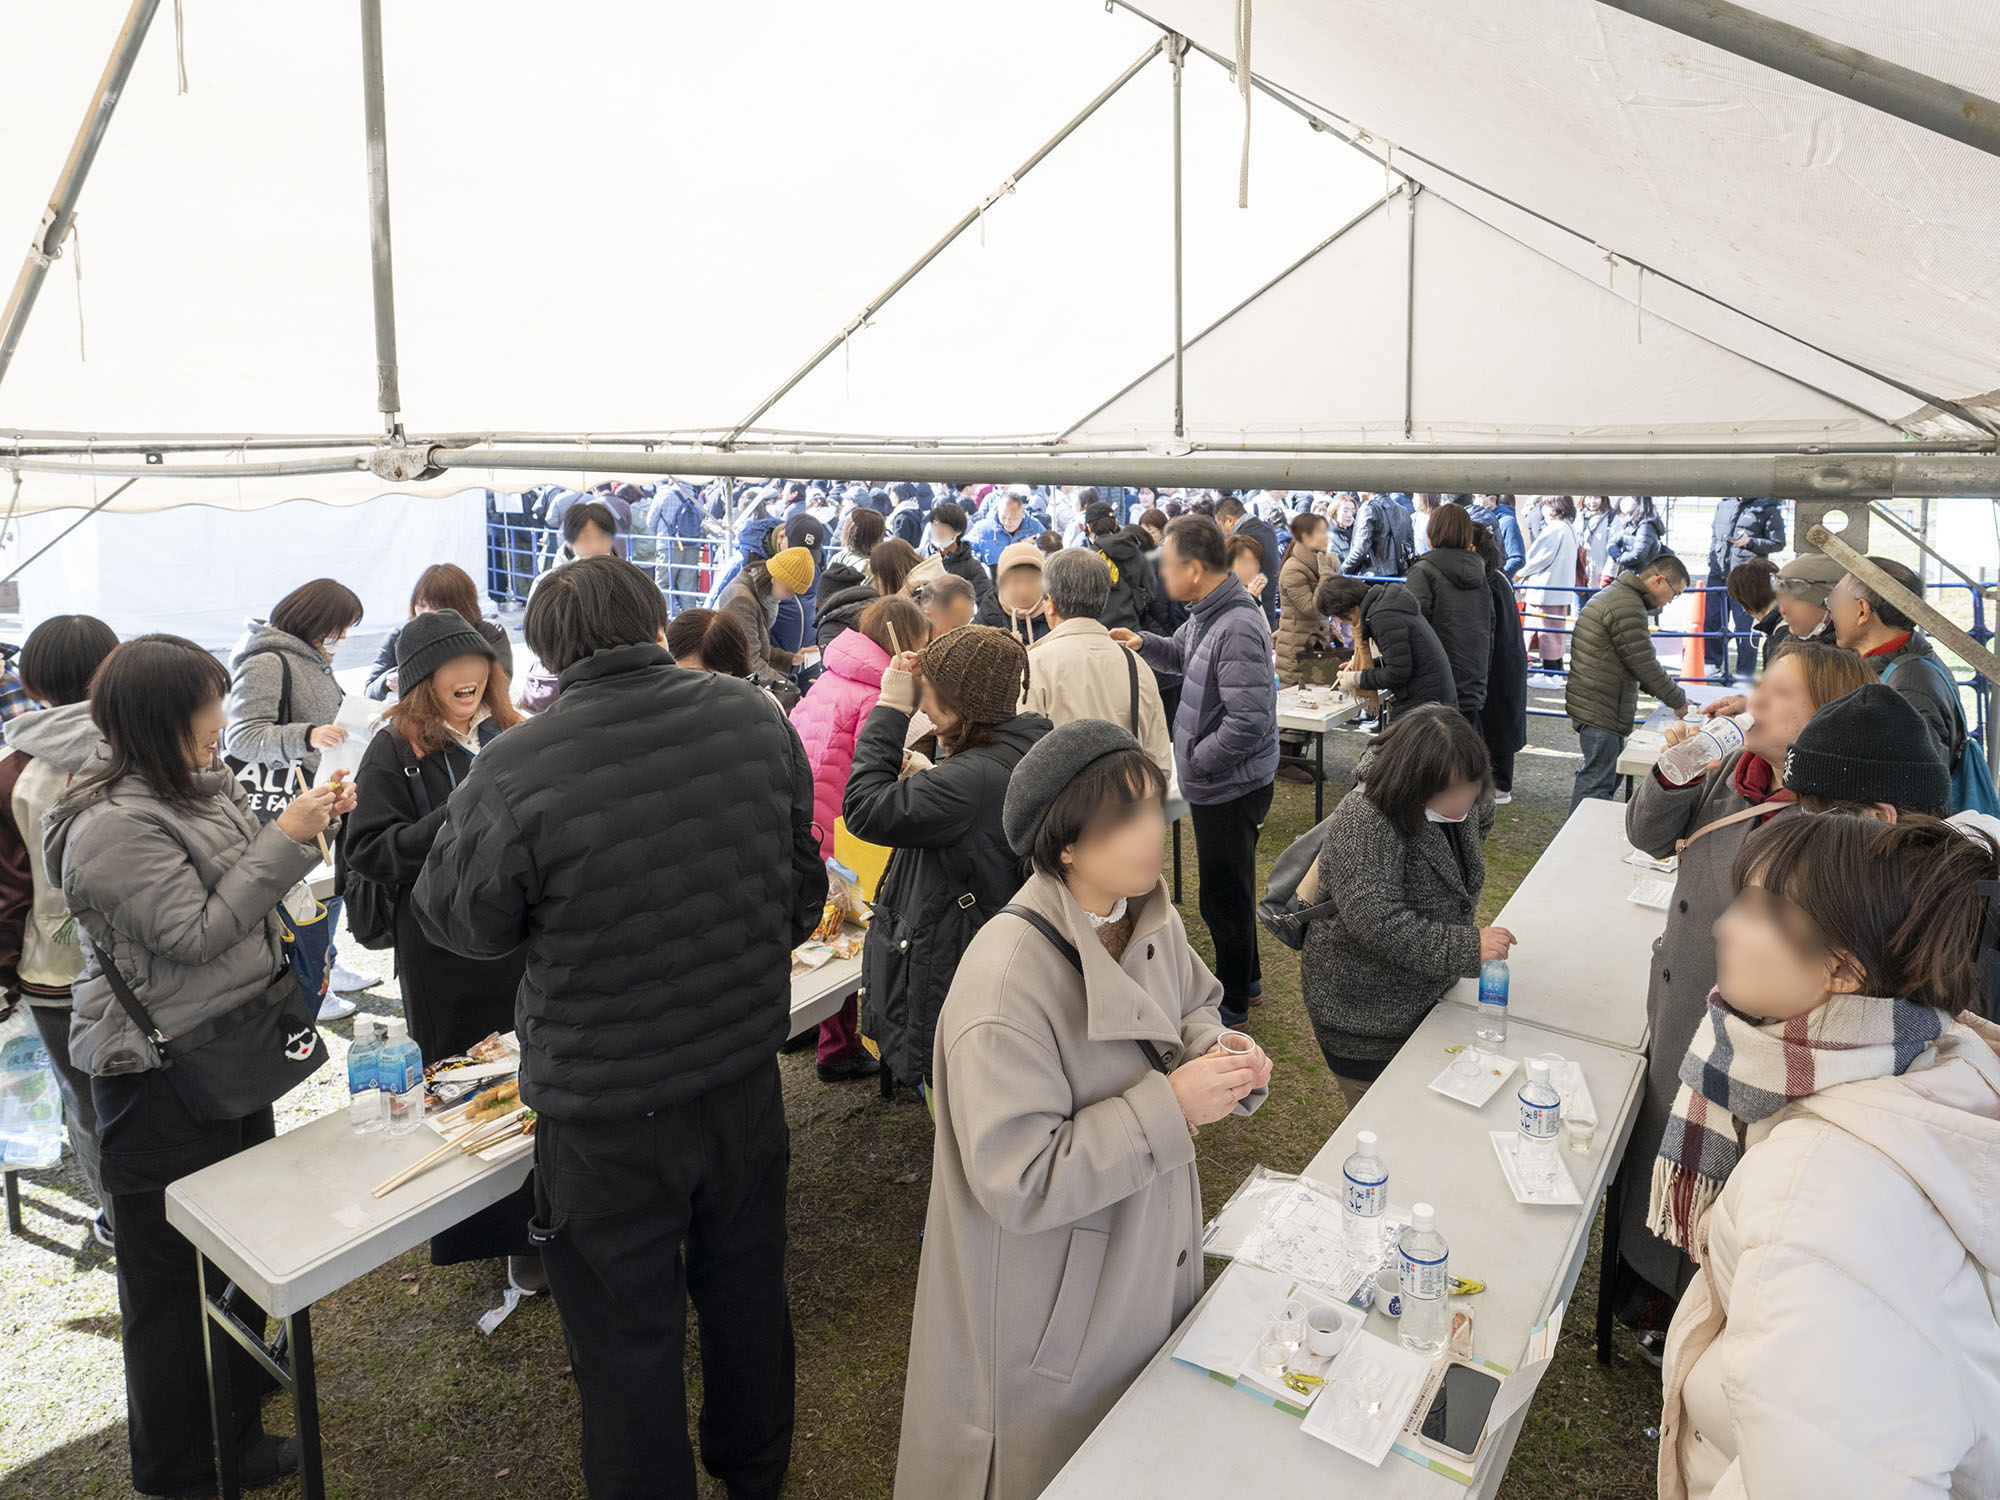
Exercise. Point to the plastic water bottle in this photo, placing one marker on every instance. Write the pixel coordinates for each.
(1493, 1001)
(1541, 1122)
(366, 1103)
(1424, 1277)
(1707, 745)
(1367, 1201)
(400, 1066)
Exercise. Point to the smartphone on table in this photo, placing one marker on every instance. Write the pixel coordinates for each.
(1456, 1421)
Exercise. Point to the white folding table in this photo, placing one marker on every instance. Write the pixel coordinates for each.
(1178, 1431)
(1585, 948)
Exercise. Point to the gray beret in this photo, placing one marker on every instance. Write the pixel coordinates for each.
(1052, 763)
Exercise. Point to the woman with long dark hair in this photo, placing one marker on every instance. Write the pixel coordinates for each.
(173, 881)
(454, 704)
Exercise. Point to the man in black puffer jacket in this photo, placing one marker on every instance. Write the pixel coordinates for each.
(1132, 582)
(650, 839)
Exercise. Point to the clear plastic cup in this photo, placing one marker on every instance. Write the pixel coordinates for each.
(1236, 1043)
(1582, 1132)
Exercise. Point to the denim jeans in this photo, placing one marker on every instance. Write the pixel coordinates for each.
(1598, 775)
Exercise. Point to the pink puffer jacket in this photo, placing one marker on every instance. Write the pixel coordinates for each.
(829, 720)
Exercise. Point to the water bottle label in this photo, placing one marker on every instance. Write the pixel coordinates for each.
(1540, 1122)
(1367, 1199)
(1493, 988)
(1424, 1279)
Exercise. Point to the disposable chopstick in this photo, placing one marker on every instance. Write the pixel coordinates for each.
(449, 1148)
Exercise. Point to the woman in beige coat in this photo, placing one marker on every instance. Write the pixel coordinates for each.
(1077, 1054)
(1300, 624)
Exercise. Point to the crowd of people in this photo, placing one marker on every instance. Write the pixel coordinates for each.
(1000, 691)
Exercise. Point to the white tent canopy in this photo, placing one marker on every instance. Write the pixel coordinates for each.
(1565, 226)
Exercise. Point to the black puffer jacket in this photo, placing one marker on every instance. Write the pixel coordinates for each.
(650, 838)
(842, 612)
(1133, 586)
(1503, 721)
(1449, 586)
(951, 871)
(1412, 666)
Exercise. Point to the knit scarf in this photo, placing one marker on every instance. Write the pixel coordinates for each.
(1740, 1069)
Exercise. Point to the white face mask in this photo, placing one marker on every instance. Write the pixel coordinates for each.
(1437, 817)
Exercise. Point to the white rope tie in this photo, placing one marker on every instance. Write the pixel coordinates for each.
(1243, 88)
(1639, 304)
(76, 247)
(180, 49)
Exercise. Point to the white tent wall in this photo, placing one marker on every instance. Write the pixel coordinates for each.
(201, 572)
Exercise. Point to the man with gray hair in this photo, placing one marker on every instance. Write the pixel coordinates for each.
(1077, 671)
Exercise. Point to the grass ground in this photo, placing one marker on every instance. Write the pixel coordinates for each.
(417, 1405)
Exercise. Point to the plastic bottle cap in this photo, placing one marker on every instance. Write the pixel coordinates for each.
(1365, 1142)
(398, 1028)
(1421, 1217)
(1538, 1069)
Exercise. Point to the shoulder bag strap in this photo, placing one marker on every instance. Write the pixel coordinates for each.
(412, 768)
(132, 1008)
(1067, 949)
(1741, 815)
(1132, 675)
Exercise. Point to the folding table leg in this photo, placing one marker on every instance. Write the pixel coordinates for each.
(1607, 1271)
(1177, 861)
(1319, 776)
(221, 1410)
(305, 1404)
(13, 1202)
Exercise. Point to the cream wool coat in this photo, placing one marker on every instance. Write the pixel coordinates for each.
(1063, 1243)
(1842, 1339)
(1077, 671)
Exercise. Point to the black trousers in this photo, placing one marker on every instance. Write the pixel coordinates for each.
(1225, 853)
(633, 1220)
(149, 1140)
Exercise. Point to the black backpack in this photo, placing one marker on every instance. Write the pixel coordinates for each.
(371, 905)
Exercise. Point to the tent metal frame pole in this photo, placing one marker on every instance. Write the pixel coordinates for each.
(22, 565)
(1825, 477)
(971, 218)
(1410, 320)
(381, 259)
(1177, 53)
(1881, 512)
(1981, 660)
(55, 227)
(1916, 98)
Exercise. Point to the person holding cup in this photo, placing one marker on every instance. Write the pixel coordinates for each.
(1077, 1055)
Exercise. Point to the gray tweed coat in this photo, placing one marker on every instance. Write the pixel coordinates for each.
(1405, 928)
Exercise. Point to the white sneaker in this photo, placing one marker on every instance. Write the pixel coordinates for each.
(1501, 799)
(335, 1007)
(350, 981)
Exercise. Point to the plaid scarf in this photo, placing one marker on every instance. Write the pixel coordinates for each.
(1740, 1069)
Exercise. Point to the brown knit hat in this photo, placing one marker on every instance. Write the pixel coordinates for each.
(983, 671)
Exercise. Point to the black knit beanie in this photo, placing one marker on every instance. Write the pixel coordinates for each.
(1870, 746)
(430, 640)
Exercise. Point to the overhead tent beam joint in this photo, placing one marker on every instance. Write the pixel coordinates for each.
(61, 212)
(382, 268)
(1007, 186)
(1916, 98)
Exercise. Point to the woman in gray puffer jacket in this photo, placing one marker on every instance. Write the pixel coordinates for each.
(171, 877)
(1403, 866)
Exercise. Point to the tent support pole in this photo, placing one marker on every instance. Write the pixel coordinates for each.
(1982, 661)
(1177, 53)
(1827, 476)
(68, 529)
(1921, 100)
(1882, 513)
(1410, 322)
(388, 382)
(971, 218)
(54, 228)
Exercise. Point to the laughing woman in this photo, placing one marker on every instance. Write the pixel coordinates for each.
(1076, 1057)
(454, 701)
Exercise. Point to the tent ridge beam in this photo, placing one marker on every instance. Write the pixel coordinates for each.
(1916, 98)
(971, 218)
(61, 214)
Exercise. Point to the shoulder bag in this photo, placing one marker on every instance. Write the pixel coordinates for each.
(371, 904)
(241, 1061)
